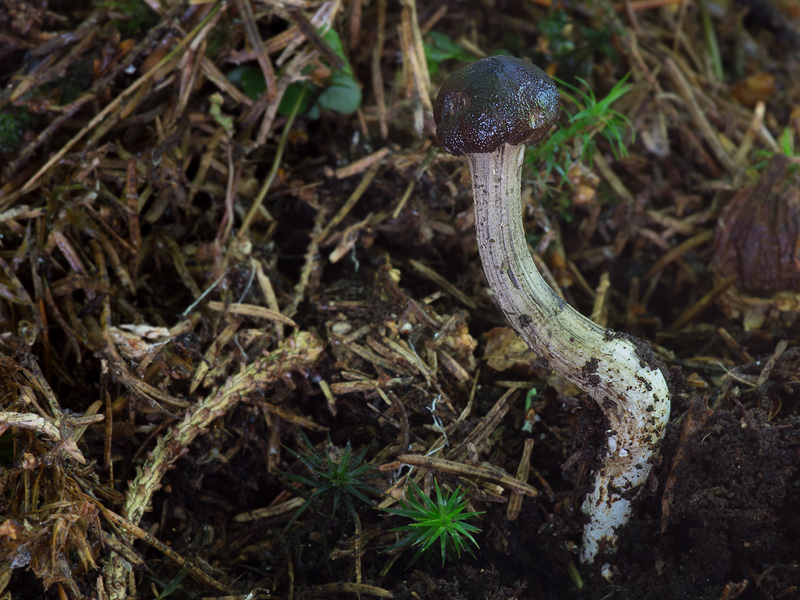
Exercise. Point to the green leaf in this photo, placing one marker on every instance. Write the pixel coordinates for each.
(248, 79)
(441, 48)
(333, 40)
(290, 97)
(342, 93)
(342, 96)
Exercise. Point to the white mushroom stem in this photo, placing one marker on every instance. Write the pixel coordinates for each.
(618, 373)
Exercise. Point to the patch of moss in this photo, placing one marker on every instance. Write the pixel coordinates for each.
(219, 37)
(13, 123)
(78, 79)
(135, 18)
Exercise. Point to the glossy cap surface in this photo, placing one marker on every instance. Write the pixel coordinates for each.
(492, 101)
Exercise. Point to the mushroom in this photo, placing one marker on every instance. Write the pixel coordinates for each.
(488, 111)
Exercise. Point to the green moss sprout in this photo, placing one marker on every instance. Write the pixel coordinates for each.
(787, 148)
(442, 519)
(577, 140)
(13, 123)
(338, 476)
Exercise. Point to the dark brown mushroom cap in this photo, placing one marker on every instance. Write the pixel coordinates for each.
(492, 101)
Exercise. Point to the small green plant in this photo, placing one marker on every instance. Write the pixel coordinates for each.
(341, 94)
(439, 48)
(441, 519)
(577, 44)
(527, 426)
(786, 141)
(787, 148)
(133, 17)
(13, 123)
(577, 141)
(337, 476)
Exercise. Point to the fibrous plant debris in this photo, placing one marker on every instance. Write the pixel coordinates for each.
(226, 223)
